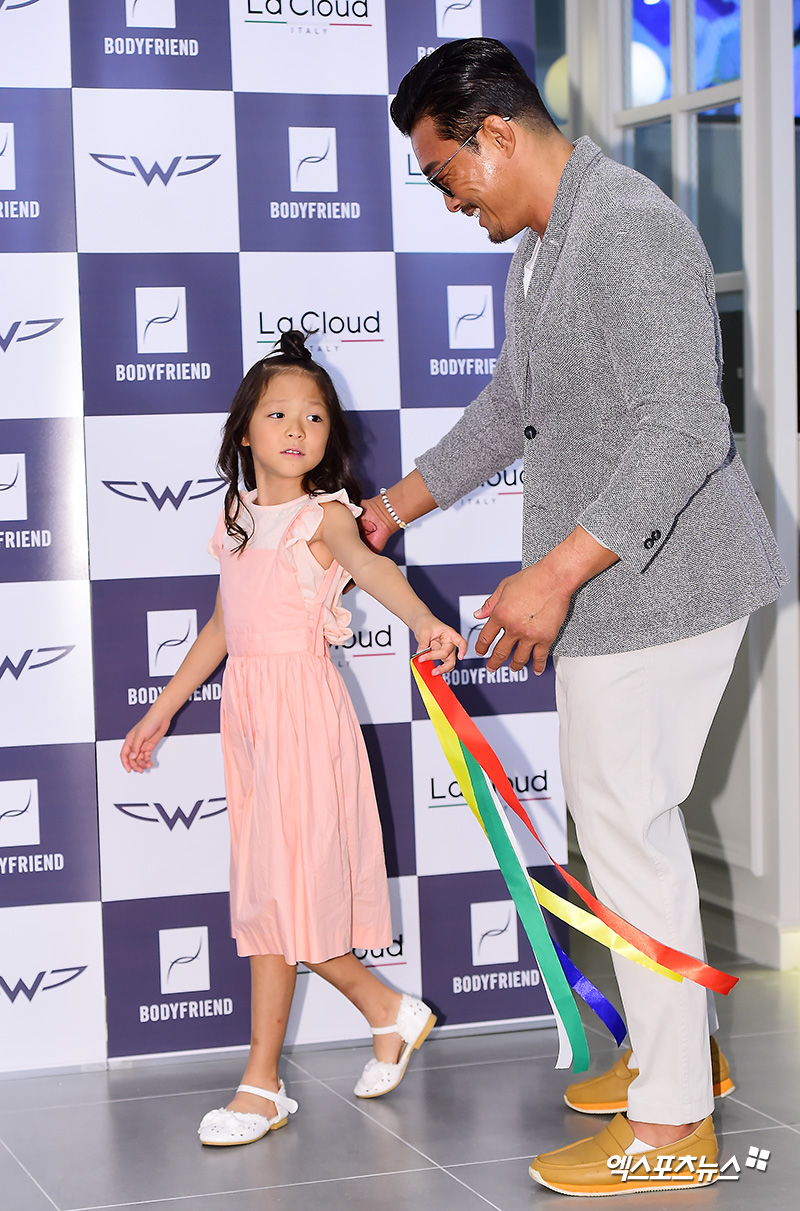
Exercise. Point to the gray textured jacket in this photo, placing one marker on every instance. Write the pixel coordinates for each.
(609, 382)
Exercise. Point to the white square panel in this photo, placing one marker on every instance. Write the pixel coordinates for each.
(40, 343)
(34, 45)
(347, 301)
(448, 837)
(320, 46)
(155, 171)
(164, 832)
(320, 1014)
(374, 661)
(421, 220)
(483, 527)
(46, 694)
(52, 996)
(154, 494)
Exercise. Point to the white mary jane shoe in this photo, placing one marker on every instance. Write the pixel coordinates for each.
(414, 1023)
(226, 1127)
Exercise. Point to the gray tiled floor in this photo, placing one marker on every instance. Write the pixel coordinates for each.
(456, 1136)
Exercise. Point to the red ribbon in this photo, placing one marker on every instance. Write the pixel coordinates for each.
(468, 733)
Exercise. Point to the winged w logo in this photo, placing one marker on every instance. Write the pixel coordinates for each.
(148, 175)
(159, 499)
(29, 991)
(151, 813)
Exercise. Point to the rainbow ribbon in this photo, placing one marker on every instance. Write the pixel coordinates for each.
(480, 776)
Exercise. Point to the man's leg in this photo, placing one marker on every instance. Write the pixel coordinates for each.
(633, 727)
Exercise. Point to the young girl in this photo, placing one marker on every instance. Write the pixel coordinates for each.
(308, 880)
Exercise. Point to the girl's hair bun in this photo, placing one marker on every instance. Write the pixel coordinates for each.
(293, 345)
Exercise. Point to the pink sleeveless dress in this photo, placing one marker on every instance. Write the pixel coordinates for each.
(308, 877)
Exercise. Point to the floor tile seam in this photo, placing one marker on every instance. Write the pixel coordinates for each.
(764, 1113)
(494, 1160)
(464, 1064)
(28, 1174)
(115, 1101)
(366, 1115)
(407, 1143)
(316, 1181)
(752, 1130)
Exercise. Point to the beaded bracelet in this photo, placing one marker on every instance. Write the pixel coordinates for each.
(402, 524)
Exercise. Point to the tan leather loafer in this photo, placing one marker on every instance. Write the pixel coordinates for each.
(599, 1166)
(608, 1093)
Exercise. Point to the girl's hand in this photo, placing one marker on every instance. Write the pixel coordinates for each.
(141, 740)
(442, 643)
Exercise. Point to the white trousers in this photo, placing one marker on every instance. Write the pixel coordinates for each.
(632, 730)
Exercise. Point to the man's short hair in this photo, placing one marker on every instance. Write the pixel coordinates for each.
(461, 83)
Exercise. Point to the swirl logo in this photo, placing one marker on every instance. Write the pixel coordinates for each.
(184, 960)
(150, 14)
(161, 319)
(13, 488)
(313, 166)
(493, 925)
(470, 317)
(8, 163)
(459, 19)
(19, 813)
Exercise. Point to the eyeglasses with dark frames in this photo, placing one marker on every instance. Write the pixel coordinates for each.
(448, 193)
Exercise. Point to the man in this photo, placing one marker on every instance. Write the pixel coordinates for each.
(644, 546)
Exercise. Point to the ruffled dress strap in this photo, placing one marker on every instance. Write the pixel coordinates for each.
(320, 587)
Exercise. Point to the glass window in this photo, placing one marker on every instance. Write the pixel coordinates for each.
(551, 78)
(717, 42)
(719, 186)
(731, 321)
(652, 153)
(650, 52)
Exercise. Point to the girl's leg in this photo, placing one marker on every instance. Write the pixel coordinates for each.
(370, 996)
(273, 982)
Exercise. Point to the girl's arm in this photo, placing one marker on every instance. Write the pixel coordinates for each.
(384, 581)
(204, 655)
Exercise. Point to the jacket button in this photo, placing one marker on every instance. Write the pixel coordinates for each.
(652, 540)
(529, 432)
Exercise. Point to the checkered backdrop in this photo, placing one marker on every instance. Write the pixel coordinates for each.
(181, 181)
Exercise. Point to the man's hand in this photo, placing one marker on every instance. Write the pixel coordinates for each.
(529, 608)
(375, 524)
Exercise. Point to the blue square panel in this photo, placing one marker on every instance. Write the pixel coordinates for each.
(48, 825)
(454, 592)
(161, 333)
(36, 172)
(173, 979)
(142, 631)
(305, 182)
(150, 44)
